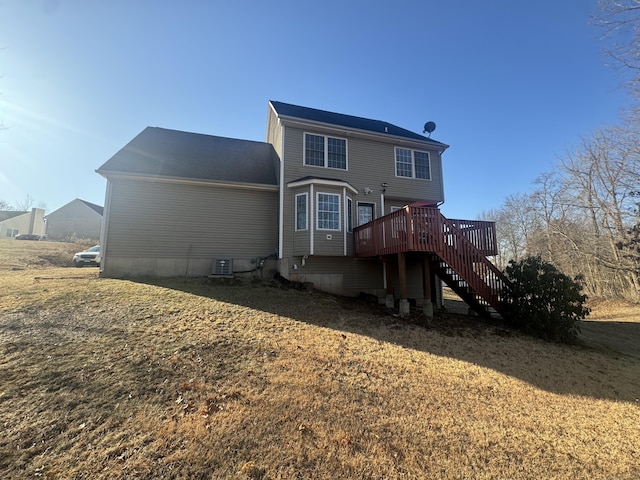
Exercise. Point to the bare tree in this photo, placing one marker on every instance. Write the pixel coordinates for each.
(4, 205)
(620, 21)
(585, 216)
(515, 224)
(26, 204)
(603, 180)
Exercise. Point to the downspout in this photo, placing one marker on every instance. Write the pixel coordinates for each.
(311, 218)
(281, 206)
(344, 221)
(384, 264)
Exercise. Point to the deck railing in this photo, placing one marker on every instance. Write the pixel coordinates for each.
(419, 229)
(461, 244)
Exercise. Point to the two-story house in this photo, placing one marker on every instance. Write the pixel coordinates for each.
(346, 203)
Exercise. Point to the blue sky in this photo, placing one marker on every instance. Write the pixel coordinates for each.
(511, 85)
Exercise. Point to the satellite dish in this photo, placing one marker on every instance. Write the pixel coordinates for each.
(429, 127)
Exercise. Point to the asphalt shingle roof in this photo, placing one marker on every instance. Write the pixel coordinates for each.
(173, 153)
(8, 214)
(96, 208)
(349, 121)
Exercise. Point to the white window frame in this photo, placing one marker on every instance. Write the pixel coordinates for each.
(413, 163)
(326, 151)
(306, 212)
(349, 215)
(317, 209)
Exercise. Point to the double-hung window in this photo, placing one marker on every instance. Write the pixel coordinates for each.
(321, 151)
(412, 164)
(302, 211)
(328, 211)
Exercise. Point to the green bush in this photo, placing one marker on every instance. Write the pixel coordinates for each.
(544, 301)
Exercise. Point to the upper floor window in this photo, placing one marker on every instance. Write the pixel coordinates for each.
(412, 164)
(321, 151)
(328, 211)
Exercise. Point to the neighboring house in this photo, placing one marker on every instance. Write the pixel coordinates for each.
(75, 220)
(346, 203)
(14, 223)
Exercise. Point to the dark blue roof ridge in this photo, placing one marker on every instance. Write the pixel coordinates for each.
(350, 121)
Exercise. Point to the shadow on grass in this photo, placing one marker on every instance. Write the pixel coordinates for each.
(600, 366)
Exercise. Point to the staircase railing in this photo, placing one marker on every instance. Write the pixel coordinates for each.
(462, 244)
(482, 276)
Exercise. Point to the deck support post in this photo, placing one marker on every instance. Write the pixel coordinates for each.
(402, 273)
(427, 303)
(388, 276)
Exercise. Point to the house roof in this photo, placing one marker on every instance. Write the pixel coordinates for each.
(322, 181)
(96, 208)
(8, 214)
(349, 121)
(173, 153)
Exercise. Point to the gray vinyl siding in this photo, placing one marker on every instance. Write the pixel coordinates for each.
(155, 220)
(369, 164)
(339, 275)
(350, 276)
(274, 132)
(74, 220)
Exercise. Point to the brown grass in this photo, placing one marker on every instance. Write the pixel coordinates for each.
(104, 378)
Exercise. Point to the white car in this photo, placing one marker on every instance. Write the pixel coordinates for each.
(90, 256)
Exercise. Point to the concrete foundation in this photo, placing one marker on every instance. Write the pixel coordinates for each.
(427, 308)
(389, 301)
(405, 307)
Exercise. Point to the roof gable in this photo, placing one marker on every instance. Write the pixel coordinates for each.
(177, 154)
(348, 121)
(96, 208)
(8, 214)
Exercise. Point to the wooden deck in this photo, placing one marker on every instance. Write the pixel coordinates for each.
(420, 229)
(458, 248)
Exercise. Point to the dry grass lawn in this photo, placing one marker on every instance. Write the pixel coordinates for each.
(194, 379)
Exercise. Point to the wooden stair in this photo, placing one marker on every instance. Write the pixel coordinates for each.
(468, 272)
(459, 286)
(457, 251)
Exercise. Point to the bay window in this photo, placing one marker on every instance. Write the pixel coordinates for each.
(328, 211)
